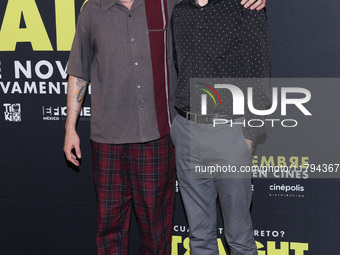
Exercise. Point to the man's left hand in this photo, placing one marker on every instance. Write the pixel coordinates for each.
(254, 4)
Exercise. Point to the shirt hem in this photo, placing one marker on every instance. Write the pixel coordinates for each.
(114, 141)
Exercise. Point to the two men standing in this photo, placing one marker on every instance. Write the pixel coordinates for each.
(124, 49)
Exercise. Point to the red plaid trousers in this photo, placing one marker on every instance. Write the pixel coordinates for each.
(141, 176)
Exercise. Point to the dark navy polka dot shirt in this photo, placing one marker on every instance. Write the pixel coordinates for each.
(220, 39)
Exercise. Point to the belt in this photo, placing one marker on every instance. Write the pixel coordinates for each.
(206, 119)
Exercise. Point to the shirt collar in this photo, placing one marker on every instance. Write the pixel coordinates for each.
(106, 4)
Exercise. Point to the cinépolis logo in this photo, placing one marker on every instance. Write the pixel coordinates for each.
(245, 99)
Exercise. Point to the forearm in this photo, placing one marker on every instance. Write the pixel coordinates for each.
(76, 90)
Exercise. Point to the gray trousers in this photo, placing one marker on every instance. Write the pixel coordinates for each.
(205, 145)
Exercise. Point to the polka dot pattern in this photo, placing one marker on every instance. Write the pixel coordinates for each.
(220, 39)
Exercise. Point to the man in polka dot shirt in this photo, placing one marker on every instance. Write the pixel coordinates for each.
(217, 39)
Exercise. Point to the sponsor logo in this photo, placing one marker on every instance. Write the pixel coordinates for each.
(283, 190)
(56, 113)
(12, 112)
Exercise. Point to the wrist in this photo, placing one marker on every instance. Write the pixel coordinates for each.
(69, 127)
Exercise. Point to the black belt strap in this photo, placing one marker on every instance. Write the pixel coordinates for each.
(207, 119)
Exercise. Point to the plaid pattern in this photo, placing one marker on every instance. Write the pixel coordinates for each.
(140, 175)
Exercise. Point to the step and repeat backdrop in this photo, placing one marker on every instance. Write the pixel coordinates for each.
(48, 207)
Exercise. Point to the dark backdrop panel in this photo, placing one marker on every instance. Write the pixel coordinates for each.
(304, 38)
(49, 207)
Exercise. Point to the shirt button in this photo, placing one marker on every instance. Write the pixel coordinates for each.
(139, 86)
(132, 39)
(136, 63)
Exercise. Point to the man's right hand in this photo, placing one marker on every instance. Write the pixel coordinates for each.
(71, 142)
(76, 89)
